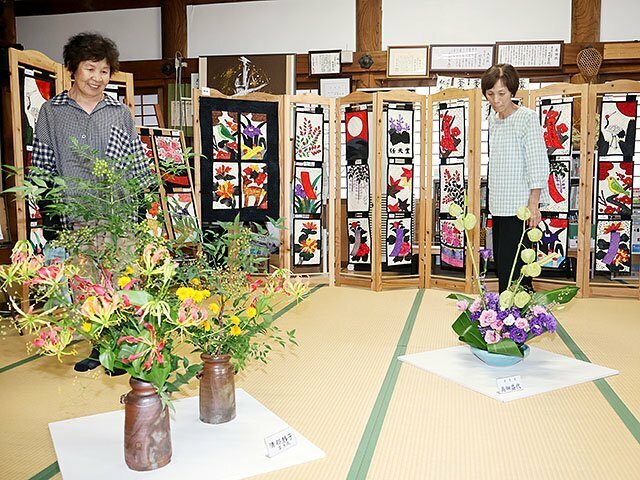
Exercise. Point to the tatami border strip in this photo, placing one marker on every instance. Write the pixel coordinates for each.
(629, 420)
(364, 454)
(54, 468)
(47, 473)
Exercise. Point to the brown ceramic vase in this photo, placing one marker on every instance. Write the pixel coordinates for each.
(147, 434)
(217, 389)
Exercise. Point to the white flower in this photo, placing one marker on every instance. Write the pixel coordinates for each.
(535, 234)
(455, 210)
(469, 221)
(509, 320)
(528, 255)
(523, 213)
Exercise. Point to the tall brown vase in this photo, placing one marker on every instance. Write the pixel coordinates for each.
(147, 434)
(217, 389)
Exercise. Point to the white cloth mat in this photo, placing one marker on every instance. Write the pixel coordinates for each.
(92, 447)
(541, 371)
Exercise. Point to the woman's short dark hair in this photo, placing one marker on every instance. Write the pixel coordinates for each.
(502, 71)
(90, 46)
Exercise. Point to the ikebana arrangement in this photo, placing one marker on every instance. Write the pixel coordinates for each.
(503, 324)
(136, 296)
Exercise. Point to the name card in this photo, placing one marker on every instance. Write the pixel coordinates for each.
(206, 91)
(281, 441)
(510, 384)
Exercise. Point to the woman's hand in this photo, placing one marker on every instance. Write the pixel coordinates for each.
(534, 208)
(536, 217)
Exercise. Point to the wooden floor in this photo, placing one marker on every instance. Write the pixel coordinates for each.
(374, 417)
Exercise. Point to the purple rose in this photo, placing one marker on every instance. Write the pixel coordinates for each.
(551, 323)
(518, 335)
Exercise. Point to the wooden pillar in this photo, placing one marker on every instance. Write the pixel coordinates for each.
(585, 21)
(174, 27)
(7, 23)
(369, 25)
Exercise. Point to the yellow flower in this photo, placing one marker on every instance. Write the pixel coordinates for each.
(236, 330)
(123, 281)
(215, 308)
(201, 295)
(195, 281)
(235, 320)
(251, 312)
(185, 292)
(86, 326)
(206, 325)
(129, 270)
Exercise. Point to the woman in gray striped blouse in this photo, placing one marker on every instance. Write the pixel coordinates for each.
(518, 168)
(94, 119)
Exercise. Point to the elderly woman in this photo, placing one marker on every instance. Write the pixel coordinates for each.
(94, 119)
(518, 168)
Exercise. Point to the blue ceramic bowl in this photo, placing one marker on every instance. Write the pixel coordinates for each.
(496, 359)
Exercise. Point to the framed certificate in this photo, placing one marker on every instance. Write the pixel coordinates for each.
(335, 87)
(408, 62)
(324, 62)
(465, 58)
(531, 55)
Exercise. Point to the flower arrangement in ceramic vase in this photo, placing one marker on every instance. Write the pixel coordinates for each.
(240, 320)
(503, 324)
(136, 296)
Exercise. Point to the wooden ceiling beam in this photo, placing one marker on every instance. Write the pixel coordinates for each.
(27, 8)
(7, 23)
(368, 25)
(585, 20)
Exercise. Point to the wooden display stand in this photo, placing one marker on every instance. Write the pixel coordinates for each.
(176, 134)
(376, 279)
(39, 65)
(276, 260)
(590, 285)
(472, 99)
(324, 273)
(580, 118)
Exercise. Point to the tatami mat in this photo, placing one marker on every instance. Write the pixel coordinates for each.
(327, 387)
(437, 429)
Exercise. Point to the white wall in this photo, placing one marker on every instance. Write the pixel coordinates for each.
(620, 20)
(418, 22)
(283, 26)
(276, 26)
(136, 32)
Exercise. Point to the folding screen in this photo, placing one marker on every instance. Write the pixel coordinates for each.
(238, 163)
(453, 150)
(174, 212)
(309, 172)
(612, 183)
(34, 79)
(379, 230)
(562, 110)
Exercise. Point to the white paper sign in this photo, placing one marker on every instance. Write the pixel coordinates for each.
(509, 384)
(206, 91)
(281, 441)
